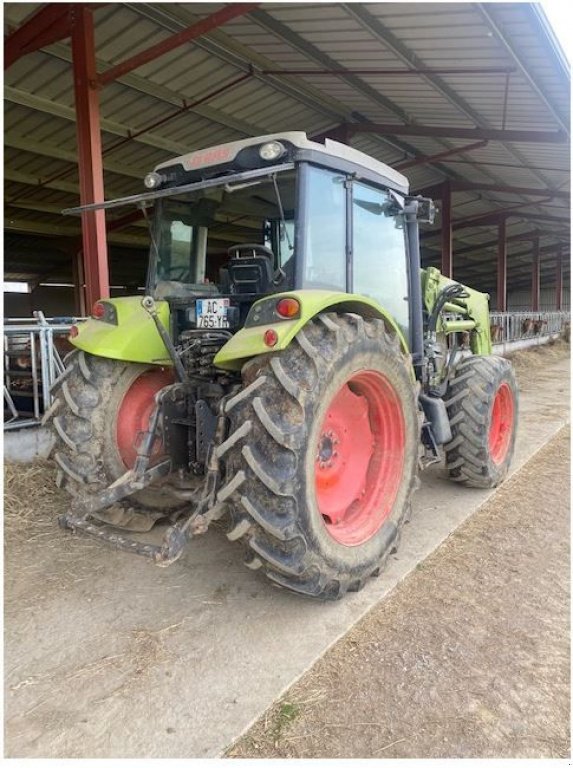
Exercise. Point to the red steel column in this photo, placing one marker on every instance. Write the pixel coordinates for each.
(447, 248)
(535, 277)
(501, 266)
(78, 279)
(559, 280)
(90, 163)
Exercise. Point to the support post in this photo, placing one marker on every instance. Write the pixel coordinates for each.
(501, 266)
(90, 163)
(535, 276)
(78, 281)
(447, 248)
(559, 280)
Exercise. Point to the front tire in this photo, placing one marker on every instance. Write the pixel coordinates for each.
(322, 456)
(482, 403)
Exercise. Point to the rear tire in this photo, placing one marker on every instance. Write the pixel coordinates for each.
(284, 476)
(482, 402)
(84, 415)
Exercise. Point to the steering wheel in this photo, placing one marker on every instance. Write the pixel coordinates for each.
(255, 249)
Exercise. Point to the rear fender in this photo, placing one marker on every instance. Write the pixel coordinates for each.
(132, 337)
(249, 341)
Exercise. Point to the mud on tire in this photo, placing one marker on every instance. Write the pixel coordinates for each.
(271, 450)
(482, 403)
(86, 400)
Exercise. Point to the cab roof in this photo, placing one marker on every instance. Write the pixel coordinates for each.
(334, 150)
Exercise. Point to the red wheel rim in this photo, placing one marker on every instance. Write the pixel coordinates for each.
(501, 427)
(359, 458)
(135, 411)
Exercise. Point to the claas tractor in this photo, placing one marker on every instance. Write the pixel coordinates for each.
(288, 372)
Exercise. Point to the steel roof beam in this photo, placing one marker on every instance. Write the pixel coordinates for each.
(202, 27)
(466, 249)
(226, 49)
(161, 93)
(520, 167)
(519, 261)
(376, 28)
(113, 225)
(279, 29)
(393, 72)
(49, 24)
(493, 219)
(427, 159)
(15, 141)
(468, 186)
(439, 132)
(61, 186)
(513, 268)
(315, 54)
(45, 228)
(39, 103)
(537, 87)
(465, 186)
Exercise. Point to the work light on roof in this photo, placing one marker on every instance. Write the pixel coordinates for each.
(272, 150)
(152, 180)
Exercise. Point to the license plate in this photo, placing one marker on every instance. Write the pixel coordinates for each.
(212, 313)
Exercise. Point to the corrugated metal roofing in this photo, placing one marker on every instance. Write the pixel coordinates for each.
(40, 138)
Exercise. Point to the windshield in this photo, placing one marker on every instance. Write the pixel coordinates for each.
(194, 232)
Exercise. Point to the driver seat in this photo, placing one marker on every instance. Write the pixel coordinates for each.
(248, 274)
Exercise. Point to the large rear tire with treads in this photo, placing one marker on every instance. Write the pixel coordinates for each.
(321, 459)
(99, 408)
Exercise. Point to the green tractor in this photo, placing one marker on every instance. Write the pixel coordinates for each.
(288, 372)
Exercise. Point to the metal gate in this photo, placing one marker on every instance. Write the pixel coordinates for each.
(34, 352)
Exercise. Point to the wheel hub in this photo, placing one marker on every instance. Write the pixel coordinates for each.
(135, 411)
(327, 453)
(359, 458)
(501, 426)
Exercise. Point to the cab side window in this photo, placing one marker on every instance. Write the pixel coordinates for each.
(380, 266)
(325, 234)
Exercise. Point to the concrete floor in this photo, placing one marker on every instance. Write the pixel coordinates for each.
(127, 660)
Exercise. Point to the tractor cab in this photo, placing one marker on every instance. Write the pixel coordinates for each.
(273, 215)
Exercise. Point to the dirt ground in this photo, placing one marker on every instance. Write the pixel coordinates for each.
(469, 656)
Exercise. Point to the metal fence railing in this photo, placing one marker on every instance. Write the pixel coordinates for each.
(33, 358)
(518, 326)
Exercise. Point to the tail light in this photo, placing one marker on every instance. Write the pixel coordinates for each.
(270, 337)
(98, 310)
(105, 311)
(288, 307)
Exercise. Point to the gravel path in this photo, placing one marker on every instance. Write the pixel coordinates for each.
(469, 656)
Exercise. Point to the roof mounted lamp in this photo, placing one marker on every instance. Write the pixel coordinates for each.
(272, 150)
(153, 180)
